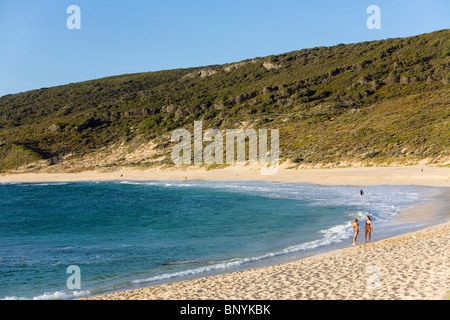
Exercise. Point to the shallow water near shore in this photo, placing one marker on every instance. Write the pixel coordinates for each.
(127, 234)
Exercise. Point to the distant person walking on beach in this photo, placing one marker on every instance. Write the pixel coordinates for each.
(361, 192)
(368, 228)
(355, 226)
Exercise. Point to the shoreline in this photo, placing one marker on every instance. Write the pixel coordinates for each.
(428, 216)
(405, 267)
(428, 213)
(357, 176)
(435, 206)
(193, 288)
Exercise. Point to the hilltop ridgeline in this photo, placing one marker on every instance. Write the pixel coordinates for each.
(373, 102)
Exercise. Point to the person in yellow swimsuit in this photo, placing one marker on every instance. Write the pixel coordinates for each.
(355, 226)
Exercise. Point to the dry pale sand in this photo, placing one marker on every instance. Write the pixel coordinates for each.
(362, 176)
(410, 266)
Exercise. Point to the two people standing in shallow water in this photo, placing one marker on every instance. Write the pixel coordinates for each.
(368, 228)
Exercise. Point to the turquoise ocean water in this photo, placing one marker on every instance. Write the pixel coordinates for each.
(126, 234)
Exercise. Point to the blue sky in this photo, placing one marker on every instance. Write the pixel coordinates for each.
(117, 37)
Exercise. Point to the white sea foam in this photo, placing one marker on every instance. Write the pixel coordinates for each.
(57, 295)
(382, 202)
(334, 234)
(34, 184)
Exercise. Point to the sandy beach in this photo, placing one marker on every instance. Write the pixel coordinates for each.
(363, 176)
(410, 266)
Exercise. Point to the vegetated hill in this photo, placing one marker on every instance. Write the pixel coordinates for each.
(372, 102)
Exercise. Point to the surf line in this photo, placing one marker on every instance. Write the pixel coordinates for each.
(234, 139)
